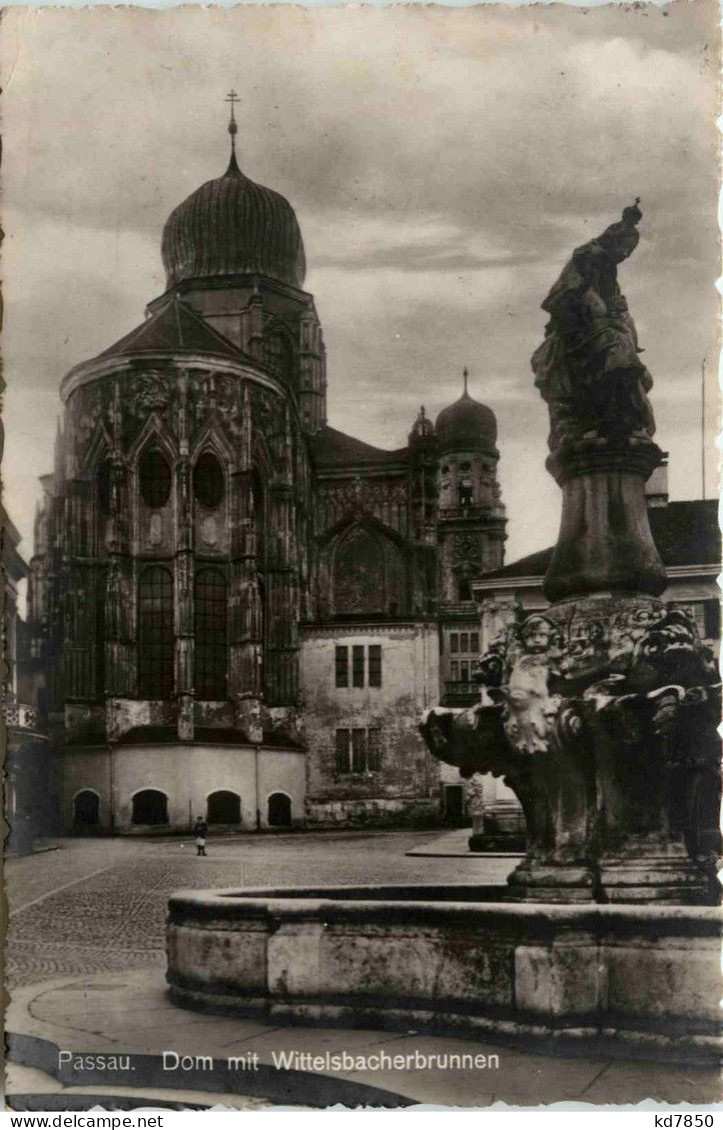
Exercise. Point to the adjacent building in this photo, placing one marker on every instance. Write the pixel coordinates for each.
(28, 804)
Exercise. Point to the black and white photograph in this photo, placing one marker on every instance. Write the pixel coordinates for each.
(360, 548)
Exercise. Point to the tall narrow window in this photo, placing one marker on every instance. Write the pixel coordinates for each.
(465, 492)
(474, 642)
(357, 665)
(464, 642)
(343, 762)
(155, 633)
(210, 651)
(375, 665)
(104, 486)
(374, 750)
(454, 641)
(209, 485)
(358, 751)
(155, 478)
(101, 583)
(342, 666)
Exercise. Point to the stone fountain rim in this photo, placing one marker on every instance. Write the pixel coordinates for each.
(352, 901)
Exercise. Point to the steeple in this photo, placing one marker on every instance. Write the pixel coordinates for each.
(233, 130)
(465, 375)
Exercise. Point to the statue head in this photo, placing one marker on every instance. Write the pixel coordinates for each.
(621, 238)
(536, 634)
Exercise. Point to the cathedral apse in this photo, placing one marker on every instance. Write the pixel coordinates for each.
(229, 597)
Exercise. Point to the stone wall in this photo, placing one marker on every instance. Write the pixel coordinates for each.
(187, 774)
(407, 776)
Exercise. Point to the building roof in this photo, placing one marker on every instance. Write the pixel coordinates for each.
(686, 533)
(331, 448)
(466, 425)
(175, 328)
(232, 226)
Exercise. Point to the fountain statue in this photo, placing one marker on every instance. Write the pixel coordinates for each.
(601, 714)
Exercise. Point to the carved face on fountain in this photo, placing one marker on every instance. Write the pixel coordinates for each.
(585, 656)
(536, 635)
(670, 652)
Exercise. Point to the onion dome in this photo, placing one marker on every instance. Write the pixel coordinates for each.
(467, 425)
(232, 226)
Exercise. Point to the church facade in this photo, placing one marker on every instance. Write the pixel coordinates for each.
(236, 610)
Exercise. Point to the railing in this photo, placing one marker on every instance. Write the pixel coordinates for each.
(20, 716)
(494, 510)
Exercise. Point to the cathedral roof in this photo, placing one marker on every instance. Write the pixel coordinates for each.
(331, 448)
(232, 226)
(466, 425)
(174, 329)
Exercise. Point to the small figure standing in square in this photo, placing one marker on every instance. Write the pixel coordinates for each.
(200, 829)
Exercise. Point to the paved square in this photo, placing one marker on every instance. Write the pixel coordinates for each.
(95, 905)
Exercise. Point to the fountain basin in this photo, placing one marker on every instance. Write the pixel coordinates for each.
(629, 980)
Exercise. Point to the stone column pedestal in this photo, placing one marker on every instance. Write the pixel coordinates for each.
(605, 543)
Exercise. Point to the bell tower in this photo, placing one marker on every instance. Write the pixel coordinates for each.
(471, 517)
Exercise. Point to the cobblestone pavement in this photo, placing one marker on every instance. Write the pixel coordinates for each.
(96, 905)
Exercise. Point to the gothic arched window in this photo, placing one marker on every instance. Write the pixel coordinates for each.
(210, 651)
(209, 485)
(155, 633)
(278, 355)
(154, 475)
(359, 574)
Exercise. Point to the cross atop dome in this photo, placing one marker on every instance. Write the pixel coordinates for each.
(232, 98)
(465, 375)
(231, 226)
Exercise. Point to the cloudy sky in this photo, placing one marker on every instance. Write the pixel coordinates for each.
(442, 163)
